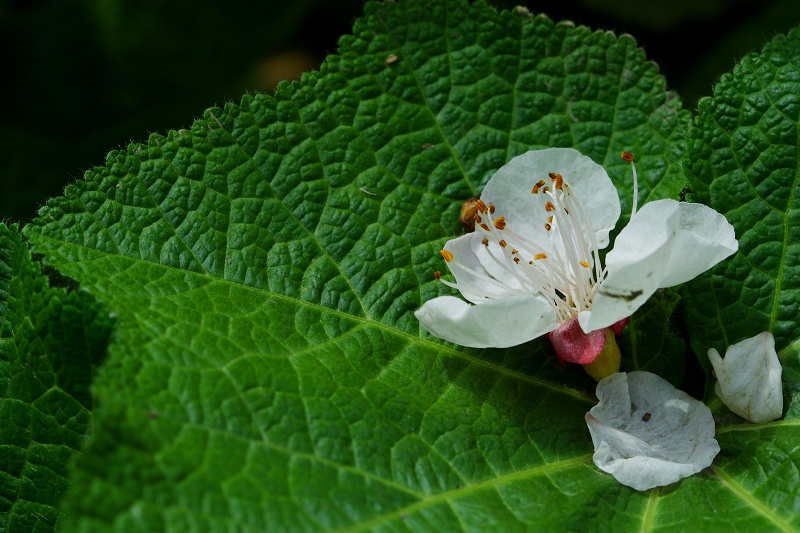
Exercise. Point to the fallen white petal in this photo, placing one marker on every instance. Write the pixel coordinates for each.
(494, 323)
(750, 378)
(510, 187)
(666, 243)
(646, 433)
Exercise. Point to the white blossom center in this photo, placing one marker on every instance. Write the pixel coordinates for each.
(567, 271)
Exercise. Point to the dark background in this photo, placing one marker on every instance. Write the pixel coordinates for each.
(81, 77)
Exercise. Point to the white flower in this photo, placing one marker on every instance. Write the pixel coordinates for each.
(532, 265)
(646, 433)
(750, 378)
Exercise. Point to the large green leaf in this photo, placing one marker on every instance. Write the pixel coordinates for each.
(268, 373)
(743, 160)
(49, 342)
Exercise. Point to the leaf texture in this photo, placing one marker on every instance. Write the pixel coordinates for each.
(50, 341)
(742, 160)
(267, 371)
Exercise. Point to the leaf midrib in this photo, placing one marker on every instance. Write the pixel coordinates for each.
(361, 320)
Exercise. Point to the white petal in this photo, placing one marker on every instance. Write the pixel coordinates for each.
(510, 191)
(492, 324)
(666, 243)
(750, 378)
(474, 287)
(646, 433)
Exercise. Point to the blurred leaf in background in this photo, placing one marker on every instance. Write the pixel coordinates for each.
(85, 76)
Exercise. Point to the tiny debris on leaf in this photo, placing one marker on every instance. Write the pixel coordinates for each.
(391, 58)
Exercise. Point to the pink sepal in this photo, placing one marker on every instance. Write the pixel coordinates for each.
(574, 346)
(616, 327)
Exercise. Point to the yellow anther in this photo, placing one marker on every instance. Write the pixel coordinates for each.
(558, 179)
(503, 243)
(548, 227)
(550, 219)
(478, 218)
(549, 207)
(540, 256)
(585, 264)
(539, 185)
(500, 222)
(485, 241)
(514, 252)
(485, 227)
(627, 157)
(491, 208)
(516, 260)
(447, 255)
(437, 275)
(480, 205)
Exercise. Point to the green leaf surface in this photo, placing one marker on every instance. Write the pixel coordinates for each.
(267, 371)
(743, 160)
(50, 341)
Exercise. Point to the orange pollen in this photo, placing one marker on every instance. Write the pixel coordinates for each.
(447, 255)
(540, 256)
(478, 218)
(485, 241)
(627, 156)
(503, 243)
(480, 205)
(437, 275)
(500, 223)
(548, 227)
(585, 264)
(491, 208)
(539, 185)
(514, 252)
(546, 189)
(549, 206)
(550, 218)
(516, 260)
(485, 227)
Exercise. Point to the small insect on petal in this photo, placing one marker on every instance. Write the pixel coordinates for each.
(469, 213)
(446, 255)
